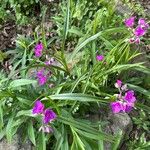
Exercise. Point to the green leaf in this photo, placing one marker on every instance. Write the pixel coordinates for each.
(85, 130)
(25, 113)
(41, 141)
(77, 97)
(9, 132)
(31, 133)
(66, 25)
(117, 141)
(77, 140)
(1, 117)
(21, 82)
(139, 89)
(87, 41)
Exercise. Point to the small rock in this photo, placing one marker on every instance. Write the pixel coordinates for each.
(118, 122)
(16, 144)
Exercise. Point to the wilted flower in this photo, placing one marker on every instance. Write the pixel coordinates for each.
(38, 107)
(38, 50)
(130, 22)
(49, 115)
(46, 129)
(124, 87)
(100, 57)
(50, 61)
(137, 40)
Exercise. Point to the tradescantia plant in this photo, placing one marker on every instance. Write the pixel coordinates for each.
(49, 100)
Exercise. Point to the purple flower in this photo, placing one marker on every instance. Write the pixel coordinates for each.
(38, 50)
(100, 57)
(128, 107)
(38, 107)
(143, 23)
(49, 115)
(129, 22)
(121, 107)
(42, 79)
(118, 84)
(116, 107)
(139, 31)
(129, 97)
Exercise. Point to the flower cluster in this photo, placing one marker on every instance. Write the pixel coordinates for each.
(42, 75)
(139, 31)
(125, 99)
(48, 115)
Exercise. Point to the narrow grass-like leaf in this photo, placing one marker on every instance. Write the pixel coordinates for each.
(106, 32)
(117, 141)
(21, 82)
(9, 134)
(31, 133)
(87, 129)
(140, 89)
(77, 97)
(42, 141)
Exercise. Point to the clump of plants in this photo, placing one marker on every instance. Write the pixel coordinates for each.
(49, 90)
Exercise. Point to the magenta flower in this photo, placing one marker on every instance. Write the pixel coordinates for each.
(42, 79)
(129, 97)
(121, 107)
(129, 22)
(139, 31)
(124, 103)
(118, 84)
(143, 23)
(128, 107)
(38, 50)
(49, 115)
(100, 57)
(38, 107)
(116, 107)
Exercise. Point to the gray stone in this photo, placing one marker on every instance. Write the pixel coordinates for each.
(123, 8)
(118, 122)
(16, 144)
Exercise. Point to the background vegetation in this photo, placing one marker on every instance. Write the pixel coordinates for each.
(82, 86)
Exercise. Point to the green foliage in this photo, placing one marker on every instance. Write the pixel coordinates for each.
(139, 144)
(18, 10)
(81, 83)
